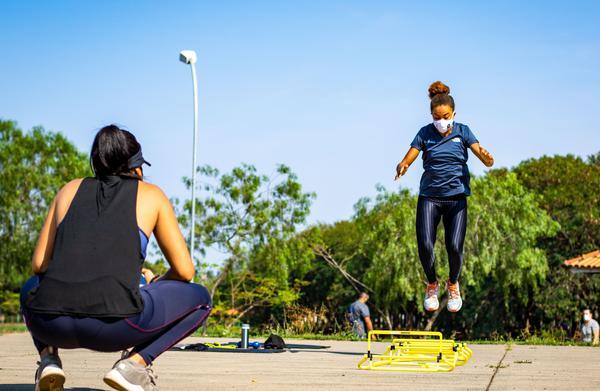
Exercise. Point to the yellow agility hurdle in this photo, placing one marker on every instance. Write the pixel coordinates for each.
(415, 351)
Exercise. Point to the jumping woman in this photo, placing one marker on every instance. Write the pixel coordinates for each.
(443, 190)
(87, 265)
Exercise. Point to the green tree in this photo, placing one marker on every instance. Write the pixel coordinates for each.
(567, 188)
(33, 167)
(503, 265)
(251, 218)
(394, 273)
(336, 272)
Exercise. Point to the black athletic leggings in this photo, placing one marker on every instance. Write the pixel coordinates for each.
(430, 210)
(172, 311)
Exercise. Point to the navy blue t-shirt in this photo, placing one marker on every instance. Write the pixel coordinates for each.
(444, 160)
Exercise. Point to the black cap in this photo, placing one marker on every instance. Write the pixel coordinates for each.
(137, 160)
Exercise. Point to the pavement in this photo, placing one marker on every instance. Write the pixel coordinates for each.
(492, 367)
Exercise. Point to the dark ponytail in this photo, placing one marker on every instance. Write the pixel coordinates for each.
(439, 93)
(111, 150)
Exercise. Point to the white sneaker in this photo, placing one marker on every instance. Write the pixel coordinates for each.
(454, 299)
(49, 375)
(128, 375)
(431, 297)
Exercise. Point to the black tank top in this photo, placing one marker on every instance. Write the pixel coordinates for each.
(96, 263)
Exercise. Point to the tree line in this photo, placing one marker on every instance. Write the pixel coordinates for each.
(278, 272)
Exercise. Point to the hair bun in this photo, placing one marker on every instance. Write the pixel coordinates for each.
(436, 88)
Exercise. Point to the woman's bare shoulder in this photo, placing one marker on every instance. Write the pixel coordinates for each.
(64, 197)
(152, 191)
(69, 189)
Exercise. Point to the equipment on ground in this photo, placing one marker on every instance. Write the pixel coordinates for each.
(231, 347)
(245, 335)
(275, 342)
(415, 351)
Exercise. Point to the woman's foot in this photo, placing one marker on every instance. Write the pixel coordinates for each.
(128, 375)
(431, 297)
(454, 299)
(49, 375)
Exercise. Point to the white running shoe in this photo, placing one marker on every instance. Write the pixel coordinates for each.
(128, 375)
(454, 299)
(431, 297)
(49, 375)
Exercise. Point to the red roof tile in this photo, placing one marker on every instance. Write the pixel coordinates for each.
(586, 261)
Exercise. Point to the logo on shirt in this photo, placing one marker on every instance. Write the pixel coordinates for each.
(456, 140)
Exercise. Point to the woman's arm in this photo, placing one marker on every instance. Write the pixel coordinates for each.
(45, 243)
(483, 154)
(409, 158)
(171, 242)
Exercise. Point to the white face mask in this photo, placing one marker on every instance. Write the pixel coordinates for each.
(587, 317)
(442, 125)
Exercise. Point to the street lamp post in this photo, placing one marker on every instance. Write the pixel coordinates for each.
(189, 57)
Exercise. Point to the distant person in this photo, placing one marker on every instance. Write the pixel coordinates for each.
(88, 260)
(443, 191)
(359, 316)
(590, 330)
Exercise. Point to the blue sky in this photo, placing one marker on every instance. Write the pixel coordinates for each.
(336, 89)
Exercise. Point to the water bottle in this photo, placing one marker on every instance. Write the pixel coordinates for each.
(245, 333)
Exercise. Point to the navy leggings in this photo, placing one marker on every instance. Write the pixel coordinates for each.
(453, 211)
(172, 311)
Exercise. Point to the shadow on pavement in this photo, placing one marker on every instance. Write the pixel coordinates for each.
(29, 387)
(16, 387)
(326, 351)
(235, 351)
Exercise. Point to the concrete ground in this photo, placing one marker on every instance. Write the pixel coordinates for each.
(492, 367)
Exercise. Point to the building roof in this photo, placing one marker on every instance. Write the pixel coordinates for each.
(586, 262)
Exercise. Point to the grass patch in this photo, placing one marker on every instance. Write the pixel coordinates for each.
(6, 328)
(533, 340)
(235, 333)
(500, 366)
(216, 331)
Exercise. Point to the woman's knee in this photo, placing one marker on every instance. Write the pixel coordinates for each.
(201, 295)
(195, 295)
(454, 249)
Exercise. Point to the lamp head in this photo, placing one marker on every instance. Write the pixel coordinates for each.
(187, 56)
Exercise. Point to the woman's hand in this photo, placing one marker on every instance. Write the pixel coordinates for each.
(401, 170)
(409, 158)
(483, 154)
(148, 275)
(487, 156)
